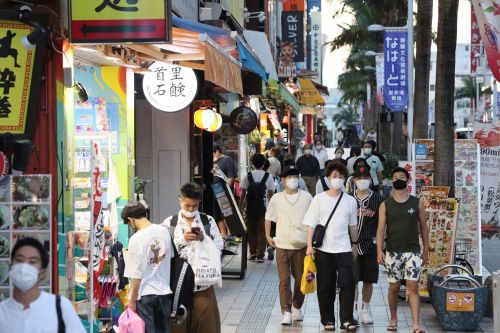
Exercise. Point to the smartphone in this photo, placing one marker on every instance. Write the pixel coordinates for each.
(196, 230)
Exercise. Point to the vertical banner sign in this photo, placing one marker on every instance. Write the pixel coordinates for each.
(316, 45)
(131, 21)
(292, 32)
(395, 69)
(97, 214)
(293, 6)
(475, 41)
(379, 65)
(488, 19)
(488, 137)
(313, 6)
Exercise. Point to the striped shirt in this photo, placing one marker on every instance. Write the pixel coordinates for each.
(368, 208)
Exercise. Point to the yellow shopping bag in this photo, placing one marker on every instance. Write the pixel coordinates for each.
(308, 283)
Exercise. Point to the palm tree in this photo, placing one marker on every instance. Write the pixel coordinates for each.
(444, 174)
(423, 40)
(348, 114)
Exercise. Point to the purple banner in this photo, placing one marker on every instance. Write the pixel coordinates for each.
(396, 69)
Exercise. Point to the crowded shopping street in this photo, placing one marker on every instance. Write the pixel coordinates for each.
(261, 166)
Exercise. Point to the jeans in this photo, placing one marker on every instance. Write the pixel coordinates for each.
(155, 312)
(331, 266)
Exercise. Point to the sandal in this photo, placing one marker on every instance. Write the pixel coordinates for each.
(329, 327)
(348, 326)
(392, 328)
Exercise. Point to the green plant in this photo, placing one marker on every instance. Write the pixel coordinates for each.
(391, 162)
(140, 184)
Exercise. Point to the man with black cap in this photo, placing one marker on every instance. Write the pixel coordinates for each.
(365, 266)
(287, 209)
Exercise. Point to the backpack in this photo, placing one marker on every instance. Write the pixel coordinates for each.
(204, 220)
(256, 195)
(324, 184)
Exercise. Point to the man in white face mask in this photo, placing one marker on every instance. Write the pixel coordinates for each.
(365, 266)
(30, 309)
(287, 209)
(375, 164)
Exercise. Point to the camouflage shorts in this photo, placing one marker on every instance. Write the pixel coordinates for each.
(402, 266)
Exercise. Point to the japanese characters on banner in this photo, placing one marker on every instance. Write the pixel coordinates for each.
(475, 41)
(97, 213)
(395, 69)
(468, 233)
(316, 44)
(313, 8)
(379, 73)
(441, 215)
(410, 167)
(292, 43)
(169, 87)
(488, 136)
(488, 19)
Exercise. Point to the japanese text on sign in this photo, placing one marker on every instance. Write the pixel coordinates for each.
(395, 69)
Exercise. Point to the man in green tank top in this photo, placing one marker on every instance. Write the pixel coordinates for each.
(401, 223)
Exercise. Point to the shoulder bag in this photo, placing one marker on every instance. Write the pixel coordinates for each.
(319, 231)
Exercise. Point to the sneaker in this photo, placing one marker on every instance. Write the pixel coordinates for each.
(253, 258)
(270, 253)
(297, 314)
(287, 318)
(260, 259)
(366, 317)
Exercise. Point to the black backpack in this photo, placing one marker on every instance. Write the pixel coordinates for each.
(256, 195)
(204, 220)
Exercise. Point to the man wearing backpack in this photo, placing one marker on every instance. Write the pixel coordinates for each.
(190, 226)
(255, 186)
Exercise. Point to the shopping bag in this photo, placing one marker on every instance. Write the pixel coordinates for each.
(207, 263)
(130, 322)
(308, 283)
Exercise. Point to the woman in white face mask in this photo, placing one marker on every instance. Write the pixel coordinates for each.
(30, 309)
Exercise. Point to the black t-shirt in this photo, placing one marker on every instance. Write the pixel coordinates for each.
(368, 208)
(227, 166)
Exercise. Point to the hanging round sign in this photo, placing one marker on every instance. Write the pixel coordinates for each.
(169, 87)
(4, 165)
(243, 120)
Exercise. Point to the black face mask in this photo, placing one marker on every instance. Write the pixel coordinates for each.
(399, 184)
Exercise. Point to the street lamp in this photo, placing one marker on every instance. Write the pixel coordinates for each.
(371, 53)
(369, 68)
(376, 27)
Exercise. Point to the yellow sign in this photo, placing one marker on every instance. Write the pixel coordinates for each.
(459, 302)
(309, 93)
(114, 21)
(16, 67)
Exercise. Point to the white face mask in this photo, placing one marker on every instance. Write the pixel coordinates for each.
(23, 276)
(318, 147)
(367, 151)
(363, 184)
(337, 183)
(189, 215)
(307, 151)
(292, 183)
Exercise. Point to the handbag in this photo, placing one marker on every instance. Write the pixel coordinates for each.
(297, 237)
(319, 231)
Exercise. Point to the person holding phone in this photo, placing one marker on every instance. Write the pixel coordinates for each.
(191, 226)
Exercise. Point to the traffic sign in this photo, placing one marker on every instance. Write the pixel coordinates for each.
(120, 21)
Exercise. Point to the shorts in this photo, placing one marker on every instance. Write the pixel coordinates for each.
(402, 266)
(365, 268)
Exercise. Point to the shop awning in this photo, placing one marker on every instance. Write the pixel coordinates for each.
(309, 94)
(288, 97)
(249, 60)
(258, 42)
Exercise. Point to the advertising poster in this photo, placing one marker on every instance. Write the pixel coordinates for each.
(488, 137)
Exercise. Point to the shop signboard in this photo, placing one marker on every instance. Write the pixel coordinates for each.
(313, 23)
(230, 210)
(169, 87)
(316, 47)
(395, 69)
(488, 136)
(243, 120)
(20, 72)
(112, 21)
(293, 6)
(292, 32)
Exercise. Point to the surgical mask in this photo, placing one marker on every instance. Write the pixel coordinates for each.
(292, 183)
(307, 151)
(318, 147)
(23, 276)
(337, 183)
(367, 151)
(189, 215)
(363, 184)
(399, 184)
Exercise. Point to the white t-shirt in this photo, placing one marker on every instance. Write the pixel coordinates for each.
(288, 212)
(337, 238)
(39, 317)
(148, 258)
(257, 177)
(321, 155)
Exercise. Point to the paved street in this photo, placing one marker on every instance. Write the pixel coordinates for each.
(252, 305)
(491, 247)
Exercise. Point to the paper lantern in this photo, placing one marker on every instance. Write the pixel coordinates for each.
(204, 118)
(216, 124)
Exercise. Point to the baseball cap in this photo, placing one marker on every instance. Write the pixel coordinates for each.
(290, 171)
(362, 171)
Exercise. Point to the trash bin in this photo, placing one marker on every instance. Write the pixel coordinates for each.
(435, 278)
(459, 309)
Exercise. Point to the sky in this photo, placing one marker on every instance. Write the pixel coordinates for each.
(334, 63)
